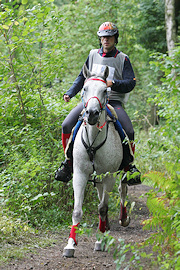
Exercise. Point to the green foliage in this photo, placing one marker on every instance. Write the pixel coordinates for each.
(152, 31)
(163, 203)
(121, 250)
(167, 100)
(26, 65)
(30, 115)
(12, 229)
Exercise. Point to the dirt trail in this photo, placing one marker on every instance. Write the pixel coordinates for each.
(51, 258)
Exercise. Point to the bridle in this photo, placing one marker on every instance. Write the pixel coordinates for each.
(101, 106)
(85, 104)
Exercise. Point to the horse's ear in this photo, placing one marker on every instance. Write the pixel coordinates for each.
(106, 72)
(86, 72)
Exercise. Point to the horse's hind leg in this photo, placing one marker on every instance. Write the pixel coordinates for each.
(124, 220)
(103, 218)
(103, 210)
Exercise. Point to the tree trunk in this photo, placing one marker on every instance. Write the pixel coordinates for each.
(170, 24)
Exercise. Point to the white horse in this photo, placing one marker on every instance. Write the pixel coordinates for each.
(97, 147)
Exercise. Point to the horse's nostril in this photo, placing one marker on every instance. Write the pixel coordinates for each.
(93, 113)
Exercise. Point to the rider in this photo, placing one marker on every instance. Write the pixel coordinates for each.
(121, 80)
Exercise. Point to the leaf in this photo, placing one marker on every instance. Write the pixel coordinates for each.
(15, 38)
(24, 2)
(5, 26)
(37, 197)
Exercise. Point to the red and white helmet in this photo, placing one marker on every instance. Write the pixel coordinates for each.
(108, 29)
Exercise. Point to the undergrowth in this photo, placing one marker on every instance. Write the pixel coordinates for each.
(17, 238)
(163, 244)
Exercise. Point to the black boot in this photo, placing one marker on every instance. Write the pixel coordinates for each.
(134, 177)
(127, 156)
(64, 172)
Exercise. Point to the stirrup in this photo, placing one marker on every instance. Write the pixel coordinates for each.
(134, 176)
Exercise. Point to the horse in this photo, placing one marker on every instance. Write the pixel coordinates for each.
(97, 148)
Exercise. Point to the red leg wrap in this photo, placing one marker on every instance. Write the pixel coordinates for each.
(102, 225)
(123, 214)
(73, 233)
(65, 138)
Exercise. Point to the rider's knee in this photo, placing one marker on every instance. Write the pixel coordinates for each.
(66, 129)
(130, 134)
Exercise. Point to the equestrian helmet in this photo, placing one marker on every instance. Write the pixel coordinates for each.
(108, 29)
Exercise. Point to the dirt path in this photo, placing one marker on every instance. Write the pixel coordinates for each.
(51, 258)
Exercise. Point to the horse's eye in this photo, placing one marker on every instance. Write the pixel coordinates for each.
(83, 91)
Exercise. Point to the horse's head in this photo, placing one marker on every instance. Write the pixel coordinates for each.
(94, 94)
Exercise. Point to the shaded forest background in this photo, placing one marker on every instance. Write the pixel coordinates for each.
(43, 47)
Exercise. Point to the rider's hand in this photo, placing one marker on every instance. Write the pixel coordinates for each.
(66, 98)
(109, 83)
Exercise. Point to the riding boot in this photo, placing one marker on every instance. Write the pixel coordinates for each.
(64, 172)
(128, 156)
(131, 176)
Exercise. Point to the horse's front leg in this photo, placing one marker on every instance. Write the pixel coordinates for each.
(79, 184)
(124, 220)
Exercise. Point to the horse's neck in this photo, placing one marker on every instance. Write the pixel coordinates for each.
(94, 130)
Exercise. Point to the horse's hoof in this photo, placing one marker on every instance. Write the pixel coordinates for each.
(97, 246)
(68, 252)
(124, 222)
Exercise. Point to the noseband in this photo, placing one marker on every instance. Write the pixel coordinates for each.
(98, 101)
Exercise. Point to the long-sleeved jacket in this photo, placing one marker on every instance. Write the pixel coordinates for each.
(124, 81)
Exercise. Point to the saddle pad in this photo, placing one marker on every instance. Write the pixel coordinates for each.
(112, 110)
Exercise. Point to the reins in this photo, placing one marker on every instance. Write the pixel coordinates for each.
(91, 150)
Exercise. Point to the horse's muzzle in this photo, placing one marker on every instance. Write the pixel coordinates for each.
(92, 116)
